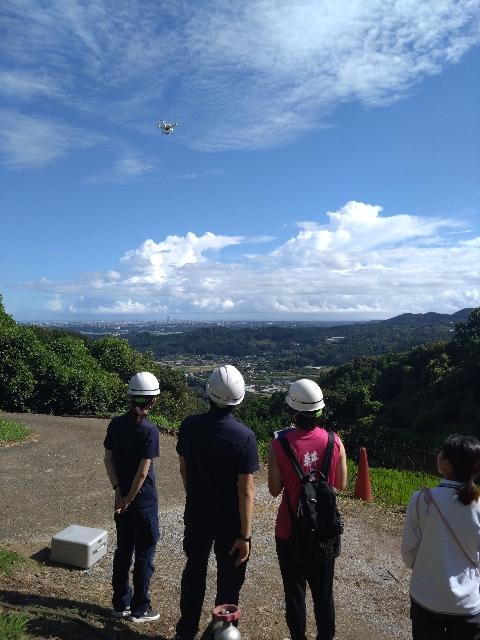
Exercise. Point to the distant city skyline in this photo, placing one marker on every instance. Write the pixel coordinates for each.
(326, 165)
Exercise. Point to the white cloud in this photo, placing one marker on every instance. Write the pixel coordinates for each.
(25, 85)
(54, 304)
(35, 142)
(251, 74)
(359, 263)
(28, 141)
(123, 170)
(152, 262)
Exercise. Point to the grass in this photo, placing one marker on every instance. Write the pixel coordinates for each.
(7, 560)
(12, 626)
(12, 432)
(392, 487)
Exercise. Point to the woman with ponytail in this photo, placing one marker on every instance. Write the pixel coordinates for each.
(130, 446)
(441, 544)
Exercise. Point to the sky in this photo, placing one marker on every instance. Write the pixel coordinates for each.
(326, 164)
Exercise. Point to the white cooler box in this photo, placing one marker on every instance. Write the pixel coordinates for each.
(79, 546)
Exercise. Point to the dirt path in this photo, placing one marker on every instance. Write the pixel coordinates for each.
(58, 479)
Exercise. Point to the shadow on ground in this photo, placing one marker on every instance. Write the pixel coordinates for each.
(92, 621)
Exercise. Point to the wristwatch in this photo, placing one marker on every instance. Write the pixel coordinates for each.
(240, 537)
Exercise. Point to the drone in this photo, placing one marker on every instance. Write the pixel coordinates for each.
(167, 127)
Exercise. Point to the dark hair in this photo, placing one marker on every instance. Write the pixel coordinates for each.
(139, 406)
(463, 453)
(307, 421)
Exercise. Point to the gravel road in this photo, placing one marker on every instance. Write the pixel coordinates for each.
(57, 479)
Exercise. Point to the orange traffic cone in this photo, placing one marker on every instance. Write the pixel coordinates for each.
(363, 488)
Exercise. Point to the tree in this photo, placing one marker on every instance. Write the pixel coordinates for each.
(6, 321)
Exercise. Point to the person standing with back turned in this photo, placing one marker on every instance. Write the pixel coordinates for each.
(441, 544)
(130, 446)
(309, 443)
(218, 456)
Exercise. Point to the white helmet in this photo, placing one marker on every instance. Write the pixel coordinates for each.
(226, 386)
(305, 396)
(143, 384)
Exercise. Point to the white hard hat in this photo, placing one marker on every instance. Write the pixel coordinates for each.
(305, 396)
(143, 384)
(226, 386)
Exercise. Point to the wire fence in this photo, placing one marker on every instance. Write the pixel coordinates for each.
(391, 455)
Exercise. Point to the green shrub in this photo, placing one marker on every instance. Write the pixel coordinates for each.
(263, 447)
(160, 421)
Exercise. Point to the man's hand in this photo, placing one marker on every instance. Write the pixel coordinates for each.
(243, 551)
(119, 501)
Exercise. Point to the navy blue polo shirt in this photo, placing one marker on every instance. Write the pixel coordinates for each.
(130, 445)
(216, 448)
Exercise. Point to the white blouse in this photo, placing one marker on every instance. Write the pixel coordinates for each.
(443, 579)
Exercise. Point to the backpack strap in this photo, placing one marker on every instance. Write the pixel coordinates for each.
(327, 461)
(286, 446)
(290, 453)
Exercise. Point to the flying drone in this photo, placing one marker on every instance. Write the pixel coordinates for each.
(167, 127)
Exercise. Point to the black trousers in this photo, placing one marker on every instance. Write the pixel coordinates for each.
(429, 625)
(197, 545)
(295, 578)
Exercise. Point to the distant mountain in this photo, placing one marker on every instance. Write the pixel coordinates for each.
(298, 345)
(421, 319)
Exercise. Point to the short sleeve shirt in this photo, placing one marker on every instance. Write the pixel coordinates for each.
(130, 446)
(310, 448)
(216, 448)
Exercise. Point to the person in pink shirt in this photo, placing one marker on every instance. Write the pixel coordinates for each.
(309, 441)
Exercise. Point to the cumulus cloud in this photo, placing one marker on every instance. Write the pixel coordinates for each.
(262, 72)
(54, 304)
(360, 262)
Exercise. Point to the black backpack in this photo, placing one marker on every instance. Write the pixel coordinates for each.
(317, 525)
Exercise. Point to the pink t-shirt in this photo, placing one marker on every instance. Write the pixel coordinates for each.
(310, 448)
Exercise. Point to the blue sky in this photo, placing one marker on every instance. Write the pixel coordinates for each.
(326, 165)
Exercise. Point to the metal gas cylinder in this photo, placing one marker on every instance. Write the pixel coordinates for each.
(225, 614)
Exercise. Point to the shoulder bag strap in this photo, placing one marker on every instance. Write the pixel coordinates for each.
(429, 498)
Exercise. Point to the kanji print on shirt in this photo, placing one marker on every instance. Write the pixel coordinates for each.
(309, 459)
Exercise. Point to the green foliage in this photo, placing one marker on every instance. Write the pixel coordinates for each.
(12, 431)
(5, 319)
(7, 560)
(12, 626)
(60, 372)
(264, 415)
(161, 421)
(288, 347)
(418, 397)
(263, 448)
(53, 372)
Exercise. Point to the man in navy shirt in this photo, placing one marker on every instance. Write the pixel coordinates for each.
(130, 445)
(218, 456)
